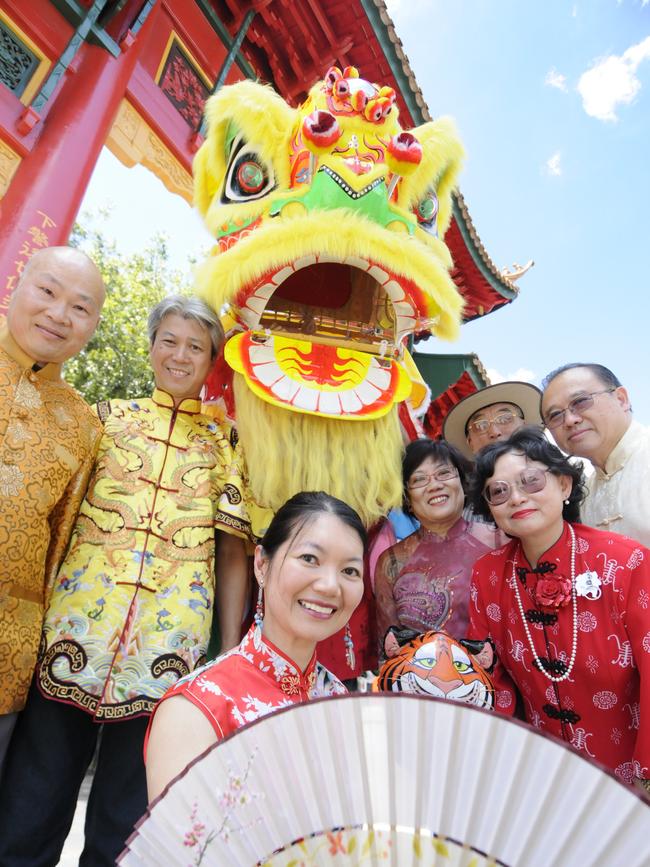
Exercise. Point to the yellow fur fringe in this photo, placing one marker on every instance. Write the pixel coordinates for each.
(287, 452)
(442, 159)
(261, 115)
(341, 234)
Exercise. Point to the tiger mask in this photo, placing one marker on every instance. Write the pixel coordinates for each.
(437, 665)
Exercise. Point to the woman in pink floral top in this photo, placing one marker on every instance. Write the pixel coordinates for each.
(309, 569)
(422, 582)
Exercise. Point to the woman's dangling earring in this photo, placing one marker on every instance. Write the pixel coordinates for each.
(258, 618)
(349, 647)
(566, 502)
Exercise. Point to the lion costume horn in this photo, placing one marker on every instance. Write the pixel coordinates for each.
(328, 222)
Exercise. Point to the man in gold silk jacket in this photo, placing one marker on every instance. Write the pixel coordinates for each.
(48, 439)
(132, 606)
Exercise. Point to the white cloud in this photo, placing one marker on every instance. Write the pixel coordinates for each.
(521, 374)
(612, 81)
(556, 79)
(553, 165)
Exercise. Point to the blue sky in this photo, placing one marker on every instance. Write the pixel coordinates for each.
(552, 100)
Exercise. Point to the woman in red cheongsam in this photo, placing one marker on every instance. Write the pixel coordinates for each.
(566, 605)
(309, 569)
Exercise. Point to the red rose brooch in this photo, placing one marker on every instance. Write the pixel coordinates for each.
(552, 592)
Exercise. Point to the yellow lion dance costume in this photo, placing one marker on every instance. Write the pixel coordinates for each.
(329, 222)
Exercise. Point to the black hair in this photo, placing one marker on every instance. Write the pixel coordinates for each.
(302, 509)
(438, 450)
(604, 374)
(531, 442)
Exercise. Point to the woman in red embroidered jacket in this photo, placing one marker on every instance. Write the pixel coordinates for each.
(566, 605)
(309, 569)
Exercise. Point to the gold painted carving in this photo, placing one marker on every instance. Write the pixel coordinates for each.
(9, 162)
(134, 142)
(513, 274)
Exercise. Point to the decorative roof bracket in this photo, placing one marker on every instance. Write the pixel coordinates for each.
(230, 58)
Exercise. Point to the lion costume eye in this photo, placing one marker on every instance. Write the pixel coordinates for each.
(248, 177)
(426, 211)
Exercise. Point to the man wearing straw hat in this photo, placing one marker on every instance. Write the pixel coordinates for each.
(492, 414)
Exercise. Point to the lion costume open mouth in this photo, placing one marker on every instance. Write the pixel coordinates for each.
(328, 222)
(352, 300)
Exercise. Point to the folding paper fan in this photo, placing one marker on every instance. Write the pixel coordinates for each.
(386, 779)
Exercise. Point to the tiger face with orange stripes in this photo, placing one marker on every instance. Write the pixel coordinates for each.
(436, 664)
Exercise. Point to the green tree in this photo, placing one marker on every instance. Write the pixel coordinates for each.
(115, 363)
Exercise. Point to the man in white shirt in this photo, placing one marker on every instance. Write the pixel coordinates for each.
(588, 412)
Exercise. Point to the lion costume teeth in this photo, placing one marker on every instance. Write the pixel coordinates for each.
(328, 222)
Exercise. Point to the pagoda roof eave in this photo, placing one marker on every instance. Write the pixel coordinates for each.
(499, 290)
(391, 45)
(448, 367)
(467, 383)
(499, 283)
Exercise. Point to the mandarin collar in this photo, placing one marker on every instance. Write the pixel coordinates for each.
(453, 533)
(618, 456)
(282, 665)
(554, 554)
(49, 371)
(190, 405)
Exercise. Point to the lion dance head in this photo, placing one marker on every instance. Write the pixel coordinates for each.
(328, 222)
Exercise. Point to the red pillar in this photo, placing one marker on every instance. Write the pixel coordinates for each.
(41, 204)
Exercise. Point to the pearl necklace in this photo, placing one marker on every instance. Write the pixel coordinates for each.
(574, 599)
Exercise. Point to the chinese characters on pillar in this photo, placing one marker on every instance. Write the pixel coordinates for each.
(36, 237)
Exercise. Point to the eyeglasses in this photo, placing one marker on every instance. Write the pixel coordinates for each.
(483, 425)
(444, 474)
(530, 481)
(578, 405)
